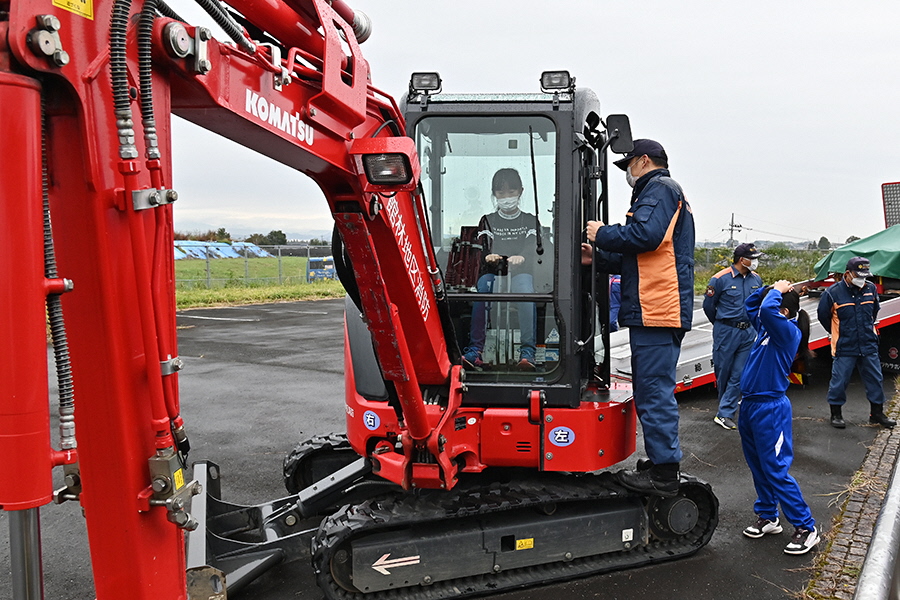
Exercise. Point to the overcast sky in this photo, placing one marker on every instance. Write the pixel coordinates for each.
(783, 113)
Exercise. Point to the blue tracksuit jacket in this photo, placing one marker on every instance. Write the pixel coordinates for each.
(777, 339)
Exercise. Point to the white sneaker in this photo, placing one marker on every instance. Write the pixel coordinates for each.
(762, 527)
(802, 541)
(725, 422)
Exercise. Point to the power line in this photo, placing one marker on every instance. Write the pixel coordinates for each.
(732, 227)
(794, 237)
(754, 218)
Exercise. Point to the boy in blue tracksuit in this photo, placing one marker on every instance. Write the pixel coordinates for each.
(765, 418)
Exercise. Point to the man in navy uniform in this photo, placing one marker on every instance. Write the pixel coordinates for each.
(654, 252)
(848, 311)
(733, 333)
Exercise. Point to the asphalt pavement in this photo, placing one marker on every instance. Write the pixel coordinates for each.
(259, 379)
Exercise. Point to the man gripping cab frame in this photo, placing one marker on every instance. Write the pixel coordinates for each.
(507, 237)
(654, 252)
(848, 311)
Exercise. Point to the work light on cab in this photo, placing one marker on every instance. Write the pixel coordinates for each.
(426, 83)
(557, 81)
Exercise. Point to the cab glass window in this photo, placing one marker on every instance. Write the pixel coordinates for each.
(490, 187)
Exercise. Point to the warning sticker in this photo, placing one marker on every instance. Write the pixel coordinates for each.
(179, 479)
(525, 544)
(82, 8)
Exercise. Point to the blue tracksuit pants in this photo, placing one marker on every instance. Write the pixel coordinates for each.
(654, 357)
(731, 348)
(869, 371)
(768, 443)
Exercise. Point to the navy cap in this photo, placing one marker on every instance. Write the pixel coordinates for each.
(746, 251)
(859, 266)
(642, 147)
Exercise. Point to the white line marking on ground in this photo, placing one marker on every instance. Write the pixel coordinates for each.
(217, 318)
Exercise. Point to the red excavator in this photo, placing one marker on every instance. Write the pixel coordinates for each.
(450, 481)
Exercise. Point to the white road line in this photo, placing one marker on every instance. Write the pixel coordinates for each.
(217, 318)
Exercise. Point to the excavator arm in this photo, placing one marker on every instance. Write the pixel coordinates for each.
(87, 90)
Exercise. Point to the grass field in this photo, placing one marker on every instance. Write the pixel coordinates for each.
(227, 272)
(248, 281)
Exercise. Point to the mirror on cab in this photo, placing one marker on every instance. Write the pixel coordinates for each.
(619, 129)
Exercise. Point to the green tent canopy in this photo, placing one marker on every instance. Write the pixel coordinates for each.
(882, 249)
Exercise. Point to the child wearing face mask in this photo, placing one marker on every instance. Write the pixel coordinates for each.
(848, 311)
(765, 419)
(506, 233)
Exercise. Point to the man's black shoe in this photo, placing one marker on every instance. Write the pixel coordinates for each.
(659, 480)
(643, 464)
(837, 419)
(877, 416)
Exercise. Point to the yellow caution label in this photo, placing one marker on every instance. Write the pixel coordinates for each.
(82, 8)
(179, 479)
(525, 544)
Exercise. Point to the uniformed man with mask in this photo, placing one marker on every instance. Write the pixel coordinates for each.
(733, 333)
(848, 311)
(654, 252)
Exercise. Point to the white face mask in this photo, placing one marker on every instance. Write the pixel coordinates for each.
(859, 282)
(507, 204)
(629, 177)
(753, 264)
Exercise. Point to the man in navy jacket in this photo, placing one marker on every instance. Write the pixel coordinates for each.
(733, 333)
(848, 311)
(654, 252)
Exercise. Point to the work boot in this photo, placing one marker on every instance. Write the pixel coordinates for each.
(877, 416)
(643, 464)
(837, 419)
(658, 480)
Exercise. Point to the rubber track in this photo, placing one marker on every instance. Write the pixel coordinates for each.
(308, 449)
(432, 505)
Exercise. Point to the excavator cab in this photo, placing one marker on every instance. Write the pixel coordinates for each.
(527, 317)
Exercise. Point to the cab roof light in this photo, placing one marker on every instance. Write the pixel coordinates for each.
(557, 81)
(387, 169)
(424, 83)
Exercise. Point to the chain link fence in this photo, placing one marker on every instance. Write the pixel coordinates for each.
(216, 265)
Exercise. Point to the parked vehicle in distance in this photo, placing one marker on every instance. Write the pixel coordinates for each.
(319, 268)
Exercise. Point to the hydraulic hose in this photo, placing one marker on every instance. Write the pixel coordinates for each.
(118, 71)
(224, 20)
(145, 74)
(55, 313)
(166, 11)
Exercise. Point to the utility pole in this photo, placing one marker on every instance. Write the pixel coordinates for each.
(732, 227)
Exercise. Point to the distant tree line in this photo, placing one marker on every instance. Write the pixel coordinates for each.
(213, 235)
(273, 238)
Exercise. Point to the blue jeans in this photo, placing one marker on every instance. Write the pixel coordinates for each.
(731, 348)
(869, 371)
(523, 283)
(768, 443)
(654, 357)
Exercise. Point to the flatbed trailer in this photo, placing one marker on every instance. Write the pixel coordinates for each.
(695, 365)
